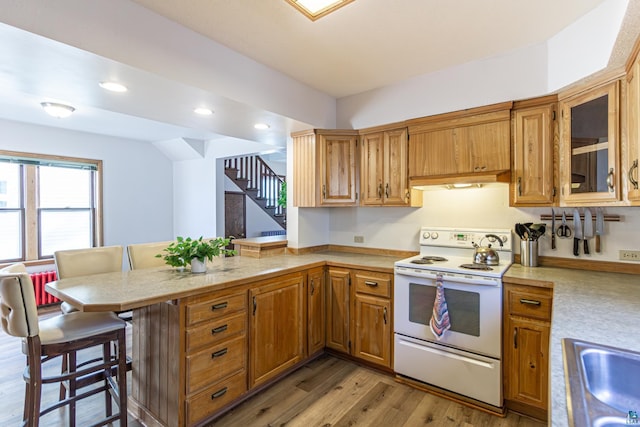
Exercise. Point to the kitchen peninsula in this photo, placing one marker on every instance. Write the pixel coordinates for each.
(204, 341)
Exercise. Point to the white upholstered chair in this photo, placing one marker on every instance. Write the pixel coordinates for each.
(84, 262)
(143, 255)
(63, 334)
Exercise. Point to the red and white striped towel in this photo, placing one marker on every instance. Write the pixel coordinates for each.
(440, 322)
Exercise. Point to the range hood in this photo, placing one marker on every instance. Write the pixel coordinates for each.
(484, 177)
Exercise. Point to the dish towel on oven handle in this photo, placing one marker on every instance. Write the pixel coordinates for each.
(440, 321)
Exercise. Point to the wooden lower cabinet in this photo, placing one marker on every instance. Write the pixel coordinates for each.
(277, 325)
(194, 357)
(526, 349)
(338, 309)
(359, 314)
(315, 311)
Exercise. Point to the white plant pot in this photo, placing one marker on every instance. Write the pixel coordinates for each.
(198, 266)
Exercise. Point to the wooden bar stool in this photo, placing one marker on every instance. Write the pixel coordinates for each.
(64, 334)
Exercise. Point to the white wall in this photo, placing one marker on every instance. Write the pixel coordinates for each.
(137, 178)
(397, 228)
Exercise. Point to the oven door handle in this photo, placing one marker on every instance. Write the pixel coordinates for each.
(448, 354)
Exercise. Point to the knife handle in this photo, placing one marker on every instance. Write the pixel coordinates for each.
(597, 243)
(586, 246)
(576, 246)
(553, 240)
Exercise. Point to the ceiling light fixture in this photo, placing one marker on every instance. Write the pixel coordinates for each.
(261, 126)
(113, 86)
(59, 111)
(315, 9)
(203, 111)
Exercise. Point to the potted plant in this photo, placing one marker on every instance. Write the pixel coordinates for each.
(193, 252)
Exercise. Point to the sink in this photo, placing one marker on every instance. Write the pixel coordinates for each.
(603, 384)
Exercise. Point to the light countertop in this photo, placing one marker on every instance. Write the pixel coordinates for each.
(138, 288)
(592, 306)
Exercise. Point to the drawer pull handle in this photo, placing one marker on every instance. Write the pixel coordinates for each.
(372, 284)
(219, 329)
(219, 393)
(529, 301)
(220, 306)
(219, 353)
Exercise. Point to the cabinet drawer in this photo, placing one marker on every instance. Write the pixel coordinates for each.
(214, 363)
(215, 397)
(523, 302)
(215, 307)
(372, 283)
(216, 331)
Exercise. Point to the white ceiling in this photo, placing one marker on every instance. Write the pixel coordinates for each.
(366, 45)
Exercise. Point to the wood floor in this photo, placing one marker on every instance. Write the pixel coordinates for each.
(326, 392)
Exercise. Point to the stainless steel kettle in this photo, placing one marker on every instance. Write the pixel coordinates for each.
(485, 254)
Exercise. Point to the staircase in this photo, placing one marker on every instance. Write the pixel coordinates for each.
(253, 176)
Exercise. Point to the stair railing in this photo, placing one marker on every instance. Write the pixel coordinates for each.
(260, 178)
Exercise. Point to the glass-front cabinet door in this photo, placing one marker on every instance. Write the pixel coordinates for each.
(589, 163)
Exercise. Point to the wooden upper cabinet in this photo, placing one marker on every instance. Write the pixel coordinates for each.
(466, 142)
(338, 172)
(384, 179)
(633, 122)
(590, 147)
(325, 168)
(534, 137)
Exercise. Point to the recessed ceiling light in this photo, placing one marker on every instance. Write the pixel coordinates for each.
(315, 9)
(57, 110)
(113, 86)
(261, 126)
(203, 111)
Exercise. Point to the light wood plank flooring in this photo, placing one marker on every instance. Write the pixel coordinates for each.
(326, 392)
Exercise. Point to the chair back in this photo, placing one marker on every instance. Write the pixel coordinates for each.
(143, 255)
(84, 262)
(18, 310)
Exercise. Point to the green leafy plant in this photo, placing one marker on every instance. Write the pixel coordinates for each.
(282, 195)
(182, 251)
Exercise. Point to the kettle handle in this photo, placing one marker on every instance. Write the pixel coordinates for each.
(495, 237)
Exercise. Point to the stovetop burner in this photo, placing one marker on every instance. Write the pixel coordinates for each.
(434, 258)
(428, 259)
(476, 266)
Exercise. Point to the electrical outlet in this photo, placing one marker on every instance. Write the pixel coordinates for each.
(630, 256)
(358, 239)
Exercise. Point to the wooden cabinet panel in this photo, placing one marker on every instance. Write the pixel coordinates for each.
(215, 397)
(277, 339)
(372, 169)
(590, 147)
(384, 169)
(209, 308)
(216, 331)
(214, 363)
(372, 329)
(528, 363)
(527, 320)
(338, 170)
(433, 153)
(633, 138)
(373, 283)
(461, 143)
(315, 311)
(533, 174)
(338, 312)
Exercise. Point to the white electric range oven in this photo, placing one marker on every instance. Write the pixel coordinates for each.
(467, 359)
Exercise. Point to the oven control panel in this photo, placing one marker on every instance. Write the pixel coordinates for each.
(465, 237)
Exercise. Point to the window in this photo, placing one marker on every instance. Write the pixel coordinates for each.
(47, 204)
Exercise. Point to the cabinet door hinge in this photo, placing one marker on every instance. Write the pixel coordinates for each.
(349, 280)
(349, 346)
